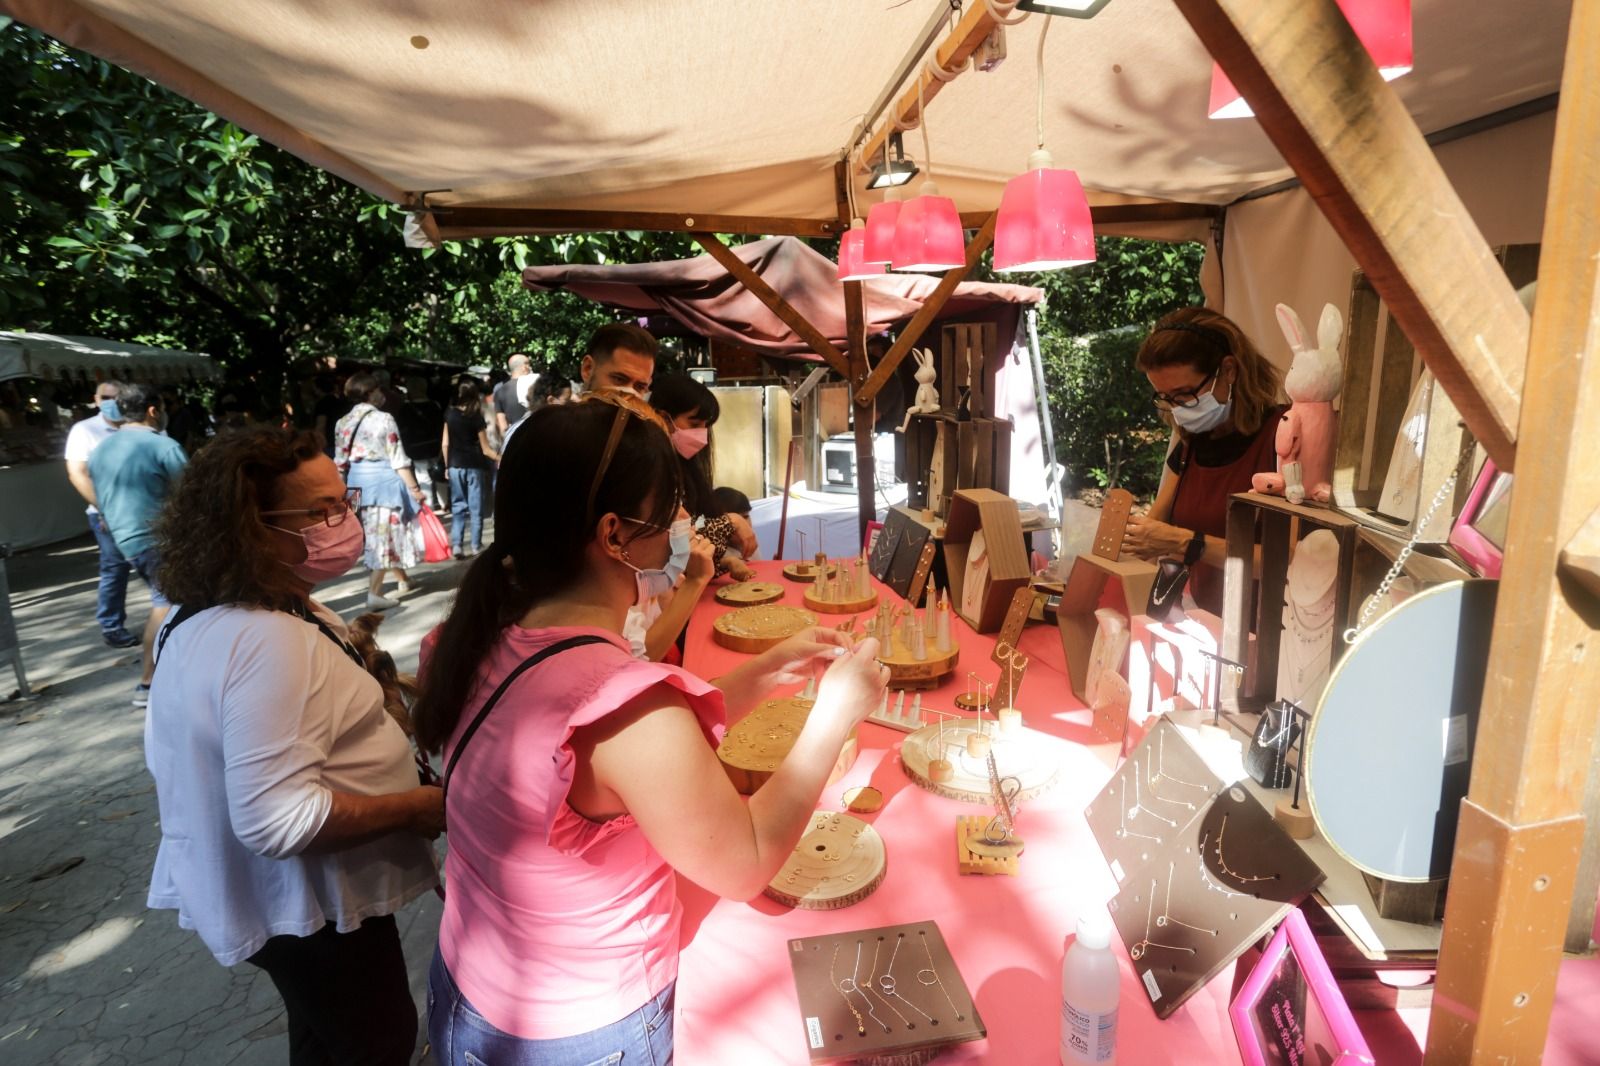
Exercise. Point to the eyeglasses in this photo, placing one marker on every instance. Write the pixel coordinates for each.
(332, 516)
(1166, 401)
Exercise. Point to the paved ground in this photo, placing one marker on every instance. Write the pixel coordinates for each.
(87, 974)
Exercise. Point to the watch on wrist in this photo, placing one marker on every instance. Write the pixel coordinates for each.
(1196, 548)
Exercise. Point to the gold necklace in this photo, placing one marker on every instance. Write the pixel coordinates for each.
(833, 975)
(936, 981)
(1230, 871)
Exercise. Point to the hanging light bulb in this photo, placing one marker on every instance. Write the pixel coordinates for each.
(853, 265)
(1044, 221)
(1382, 26)
(879, 244)
(928, 235)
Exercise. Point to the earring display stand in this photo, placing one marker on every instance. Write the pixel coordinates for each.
(908, 672)
(755, 629)
(887, 994)
(1206, 896)
(826, 597)
(756, 745)
(839, 861)
(750, 593)
(805, 572)
(1033, 758)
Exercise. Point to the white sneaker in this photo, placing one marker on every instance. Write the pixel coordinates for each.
(379, 603)
(404, 588)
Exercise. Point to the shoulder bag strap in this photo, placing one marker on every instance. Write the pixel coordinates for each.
(180, 616)
(527, 664)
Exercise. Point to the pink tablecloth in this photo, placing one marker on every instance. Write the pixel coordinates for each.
(736, 999)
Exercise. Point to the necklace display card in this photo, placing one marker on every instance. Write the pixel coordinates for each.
(1207, 895)
(918, 1016)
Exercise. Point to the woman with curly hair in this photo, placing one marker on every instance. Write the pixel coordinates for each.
(292, 825)
(367, 449)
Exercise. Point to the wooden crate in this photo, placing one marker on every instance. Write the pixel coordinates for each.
(996, 514)
(937, 455)
(1375, 553)
(1249, 605)
(1381, 372)
(1085, 591)
(964, 362)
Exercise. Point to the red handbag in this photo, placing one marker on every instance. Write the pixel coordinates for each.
(435, 541)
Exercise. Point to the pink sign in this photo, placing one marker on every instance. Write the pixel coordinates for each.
(1290, 1011)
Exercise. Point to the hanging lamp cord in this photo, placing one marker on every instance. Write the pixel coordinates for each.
(1039, 114)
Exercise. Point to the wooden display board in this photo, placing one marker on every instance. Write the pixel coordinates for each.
(750, 593)
(1033, 758)
(804, 571)
(1114, 515)
(839, 861)
(1086, 586)
(755, 629)
(996, 514)
(906, 671)
(756, 745)
(897, 553)
(917, 1005)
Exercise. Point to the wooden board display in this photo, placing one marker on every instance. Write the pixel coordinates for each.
(750, 593)
(968, 827)
(805, 571)
(1207, 896)
(756, 745)
(755, 629)
(996, 515)
(906, 671)
(887, 993)
(1033, 758)
(1113, 523)
(1011, 627)
(839, 861)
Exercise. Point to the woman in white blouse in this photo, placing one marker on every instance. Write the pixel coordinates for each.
(292, 823)
(367, 448)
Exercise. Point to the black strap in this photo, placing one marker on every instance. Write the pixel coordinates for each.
(300, 611)
(351, 454)
(527, 664)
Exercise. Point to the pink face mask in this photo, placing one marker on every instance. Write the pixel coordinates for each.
(690, 442)
(330, 550)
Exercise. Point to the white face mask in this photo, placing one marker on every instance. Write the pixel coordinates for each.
(652, 582)
(1206, 414)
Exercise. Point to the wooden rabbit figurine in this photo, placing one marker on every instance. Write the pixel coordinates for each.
(1309, 429)
(927, 400)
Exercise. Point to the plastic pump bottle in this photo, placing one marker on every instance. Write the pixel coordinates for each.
(1090, 988)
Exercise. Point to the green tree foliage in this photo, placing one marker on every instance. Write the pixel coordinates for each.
(1107, 432)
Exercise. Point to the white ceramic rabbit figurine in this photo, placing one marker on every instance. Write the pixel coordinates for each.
(927, 402)
(1308, 431)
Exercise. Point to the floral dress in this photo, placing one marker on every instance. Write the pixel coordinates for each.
(367, 441)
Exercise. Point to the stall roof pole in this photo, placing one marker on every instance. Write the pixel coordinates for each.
(1318, 96)
(1518, 846)
(862, 417)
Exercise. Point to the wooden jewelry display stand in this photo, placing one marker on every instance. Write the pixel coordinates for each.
(805, 572)
(918, 1005)
(839, 861)
(750, 593)
(757, 744)
(755, 629)
(906, 671)
(830, 596)
(969, 832)
(1033, 758)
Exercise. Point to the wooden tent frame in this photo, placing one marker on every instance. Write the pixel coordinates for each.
(1524, 388)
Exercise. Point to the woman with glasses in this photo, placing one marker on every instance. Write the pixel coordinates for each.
(1220, 395)
(292, 824)
(367, 448)
(584, 777)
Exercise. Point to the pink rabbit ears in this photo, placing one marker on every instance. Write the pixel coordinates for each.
(1329, 329)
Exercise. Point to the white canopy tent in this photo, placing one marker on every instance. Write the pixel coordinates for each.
(56, 358)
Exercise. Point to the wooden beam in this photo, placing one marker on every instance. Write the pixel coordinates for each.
(773, 299)
(926, 314)
(1518, 846)
(855, 322)
(1318, 96)
(1126, 214)
(476, 221)
(975, 25)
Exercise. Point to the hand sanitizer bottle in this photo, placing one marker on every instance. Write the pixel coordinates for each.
(1090, 988)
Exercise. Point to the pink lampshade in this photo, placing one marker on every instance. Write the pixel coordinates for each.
(1383, 26)
(881, 219)
(927, 235)
(1044, 221)
(852, 249)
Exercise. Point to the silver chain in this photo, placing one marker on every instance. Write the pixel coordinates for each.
(1445, 490)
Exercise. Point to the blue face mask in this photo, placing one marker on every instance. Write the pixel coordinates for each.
(110, 411)
(1206, 414)
(657, 581)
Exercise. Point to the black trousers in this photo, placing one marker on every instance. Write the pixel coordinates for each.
(347, 995)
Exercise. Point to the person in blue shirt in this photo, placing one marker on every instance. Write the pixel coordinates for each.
(133, 472)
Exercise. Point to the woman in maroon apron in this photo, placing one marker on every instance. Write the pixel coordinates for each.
(1220, 395)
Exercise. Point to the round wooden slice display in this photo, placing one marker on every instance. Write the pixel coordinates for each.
(854, 605)
(755, 629)
(803, 571)
(906, 671)
(750, 593)
(1033, 758)
(758, 743)
(839, 861)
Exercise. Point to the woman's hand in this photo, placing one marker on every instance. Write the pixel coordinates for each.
(417, 493)
(427, 817)
(854, 684)
(794, 660)
(1150, 539)
(700, 567)
(746, 534)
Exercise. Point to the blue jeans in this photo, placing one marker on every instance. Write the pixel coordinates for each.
(146, 563)
(468, 487)
(111, 609)
(463, 1037)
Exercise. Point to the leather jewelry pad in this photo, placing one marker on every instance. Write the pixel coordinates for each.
(1113, 522)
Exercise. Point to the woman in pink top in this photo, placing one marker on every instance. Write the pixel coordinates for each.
(577, 784)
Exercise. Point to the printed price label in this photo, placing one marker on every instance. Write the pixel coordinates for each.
(814, 1031)
(1151, 986)
(1455, 740)
(1117, 872)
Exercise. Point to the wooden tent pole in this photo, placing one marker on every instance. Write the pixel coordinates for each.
(1518, 846)
(862, 419)
(925, 315)
(773, 299)
(1318, 96)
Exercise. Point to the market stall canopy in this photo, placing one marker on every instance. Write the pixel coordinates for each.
(703, 107)
(707, 299)
(53, 358)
